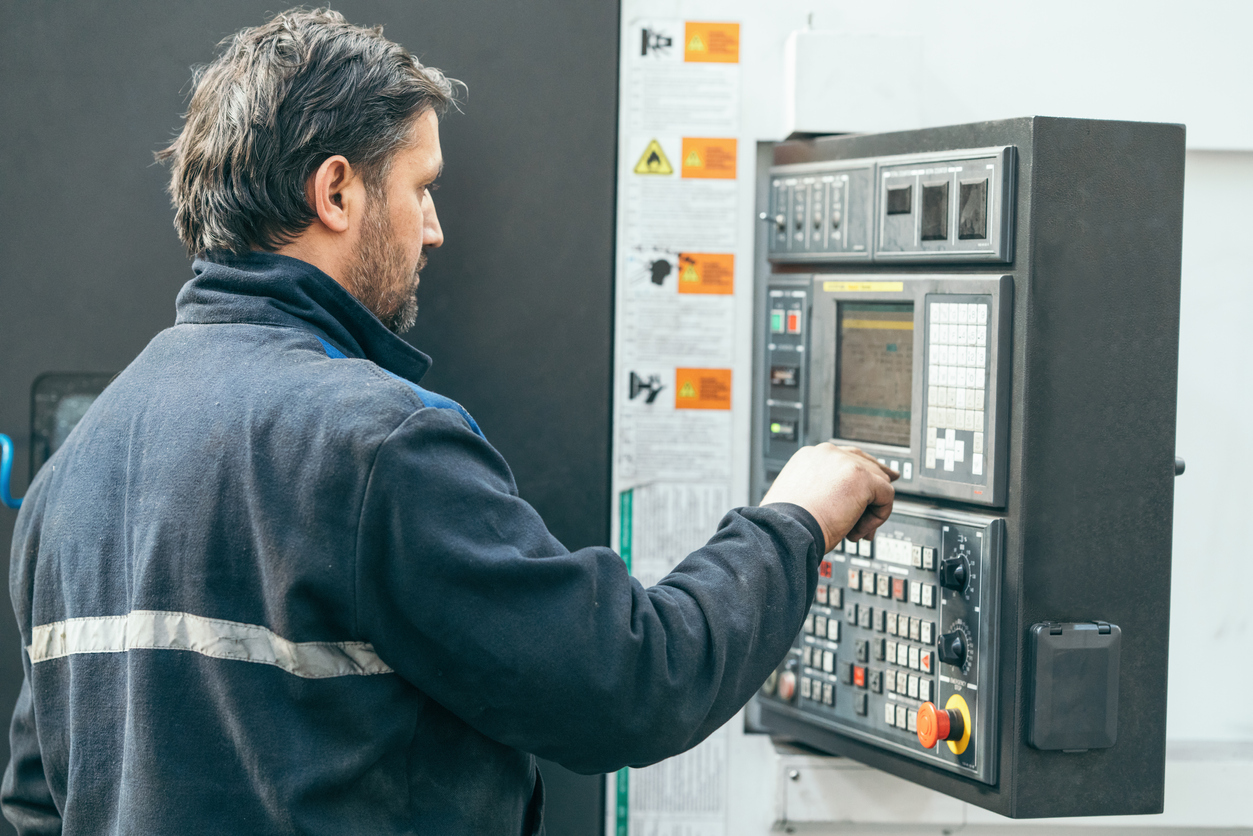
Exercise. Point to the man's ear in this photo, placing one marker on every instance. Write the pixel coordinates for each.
(337, 193)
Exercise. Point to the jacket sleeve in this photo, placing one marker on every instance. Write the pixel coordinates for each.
(463, 591)
(25, 798)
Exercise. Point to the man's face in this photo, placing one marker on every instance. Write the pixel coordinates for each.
(400, 224)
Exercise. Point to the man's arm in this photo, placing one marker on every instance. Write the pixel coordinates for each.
(25, 798)
(463, 591)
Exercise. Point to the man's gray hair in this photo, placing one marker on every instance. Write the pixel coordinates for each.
(278, 101)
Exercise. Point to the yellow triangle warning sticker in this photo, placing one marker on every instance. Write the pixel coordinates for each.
(688, 390)
(696, 44)
(693, 160)
(689, 274)
(653, 161)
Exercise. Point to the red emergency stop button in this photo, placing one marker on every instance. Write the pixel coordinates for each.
(936, 724)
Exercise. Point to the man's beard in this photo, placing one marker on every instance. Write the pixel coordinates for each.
(380, 275)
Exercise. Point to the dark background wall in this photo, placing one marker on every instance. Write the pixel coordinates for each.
(516, 307)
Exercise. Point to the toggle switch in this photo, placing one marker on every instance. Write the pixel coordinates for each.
(936, 724)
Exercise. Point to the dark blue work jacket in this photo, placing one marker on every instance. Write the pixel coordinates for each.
(271, 585)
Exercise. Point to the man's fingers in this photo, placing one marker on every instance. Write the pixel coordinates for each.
(889, 472)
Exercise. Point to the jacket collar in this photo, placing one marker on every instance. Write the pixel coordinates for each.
(271, 289)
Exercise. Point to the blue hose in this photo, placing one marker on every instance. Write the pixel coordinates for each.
(6, 470)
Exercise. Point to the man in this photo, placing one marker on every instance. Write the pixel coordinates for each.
(271, 585)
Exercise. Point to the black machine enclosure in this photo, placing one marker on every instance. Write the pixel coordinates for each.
(1092, 256)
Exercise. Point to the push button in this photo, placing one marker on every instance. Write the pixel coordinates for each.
(820, 625)
(793, 322)
(835, 597)
(850, 613)
(863, 650)
(846, 673)
(828, 661)
(865, 618)
(936, 724)
(859, 676)
(828, 693)
(821, 594)
(833, 629)
(880, 649)
(861, 704)
(876, 681)
(854, 579)
(777, 325)
(899, 587)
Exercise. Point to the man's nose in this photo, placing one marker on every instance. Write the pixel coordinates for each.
(432, 232)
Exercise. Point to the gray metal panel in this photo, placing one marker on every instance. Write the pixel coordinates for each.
(1089, 500)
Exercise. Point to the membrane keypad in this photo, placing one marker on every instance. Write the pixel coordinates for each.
(957, 387)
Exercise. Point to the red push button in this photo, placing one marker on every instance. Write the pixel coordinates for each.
(787, 686)
(859, 676)
(898, 589)
(793, 322)
(935, 724)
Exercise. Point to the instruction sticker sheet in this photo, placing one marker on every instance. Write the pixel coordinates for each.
(681, 282)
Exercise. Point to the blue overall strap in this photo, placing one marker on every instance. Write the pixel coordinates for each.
(6, 471)
(428, 398)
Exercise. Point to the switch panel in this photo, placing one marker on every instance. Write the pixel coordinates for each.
(944, 654)
(821, 212)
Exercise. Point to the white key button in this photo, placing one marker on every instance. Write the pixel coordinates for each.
(930, 458)
(976, 464)
(948, 462)
(889, 714)
(981, 335)
(828, 661)
(950, 436)
(979, 398)
(960, 453)
(977, 445)
(931, 435)
(924, 689)
(908, 472)
(912, 687)
(901, 718)
(981, 316)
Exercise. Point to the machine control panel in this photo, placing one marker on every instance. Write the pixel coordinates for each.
(902, 632)
(911, 368)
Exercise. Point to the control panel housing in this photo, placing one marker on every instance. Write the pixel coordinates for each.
(1020, 280)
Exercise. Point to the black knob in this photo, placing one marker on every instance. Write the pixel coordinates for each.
(951, 648)
(955, 573)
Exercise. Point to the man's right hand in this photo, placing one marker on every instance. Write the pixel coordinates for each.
(848, 492)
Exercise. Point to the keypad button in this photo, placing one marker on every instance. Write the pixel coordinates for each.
(859, 676)
(902, 655)
(879, 617)
(846, 673)
(876, 681)
(981, 314)
(928, 559)
(911, 720)
(828, 661)
(889, 681)
(889, 714)
(833, 630)
(850, 547)
(820, 625)
(902, 682)
(883, 585)
(915, 556)
(809, 624)
(976, 464)
(806, 683)
(854, 579)
(891, 651)
(912, 687)
(850, 613)
(835, 597)
(915, 629)
(926, 632)
(890, 623)
(928, 595)
(820, 595)
(925, 689)
(867, 581)
(902, 719)
(863, 548)
(880, 649)
(915, 593)
(924, 661)
(899, 586)
(861, 704)
(913, 658)
(976, 445)
(863, 650)
(865, 618)
(828, 693)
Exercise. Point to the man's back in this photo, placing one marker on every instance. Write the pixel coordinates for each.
(225, 612)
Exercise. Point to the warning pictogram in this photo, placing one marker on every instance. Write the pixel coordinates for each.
(653, 160)
(702, 389)
(709, 158)
(713, 43)
(711, 273)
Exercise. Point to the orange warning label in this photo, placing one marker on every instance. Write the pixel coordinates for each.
(707, 273)
(709, 158)
(702, 388)
(717, 43)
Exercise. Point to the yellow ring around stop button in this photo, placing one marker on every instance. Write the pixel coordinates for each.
(958, 702)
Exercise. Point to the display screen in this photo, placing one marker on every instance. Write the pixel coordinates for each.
(875, 359)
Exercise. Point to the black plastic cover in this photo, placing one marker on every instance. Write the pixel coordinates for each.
(1073, 685)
